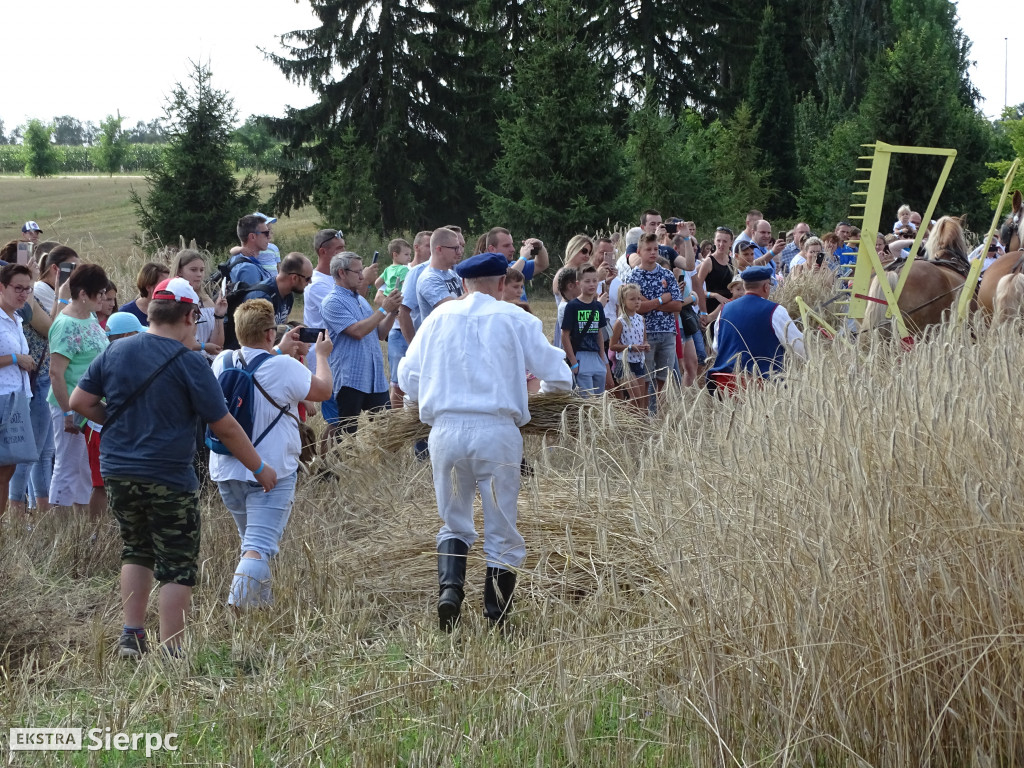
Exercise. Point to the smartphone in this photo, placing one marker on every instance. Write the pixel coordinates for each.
(224, 287)
(309, 335)
(671, 228)
(398, 285)
(376, 255)
(64, 271)
(24, 252)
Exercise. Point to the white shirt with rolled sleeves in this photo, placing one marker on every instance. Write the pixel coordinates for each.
(469, 357)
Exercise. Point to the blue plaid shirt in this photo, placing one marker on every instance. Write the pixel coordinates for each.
(355, 363)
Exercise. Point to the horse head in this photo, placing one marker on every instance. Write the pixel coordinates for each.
(1010, 231)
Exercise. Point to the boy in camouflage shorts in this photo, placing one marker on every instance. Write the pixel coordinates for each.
(157, 392)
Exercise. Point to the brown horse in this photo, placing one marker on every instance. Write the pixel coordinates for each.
(1010, 263)
(933, 285)
(929, 294)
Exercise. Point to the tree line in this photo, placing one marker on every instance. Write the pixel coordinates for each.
(554, 117)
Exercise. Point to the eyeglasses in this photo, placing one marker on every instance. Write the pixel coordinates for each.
(21, 288)
(340, 235)
(453, 247)
(724, 229)
(586, 251)
(299, 274)
(263, 232)
(197, 316)
(357, 271)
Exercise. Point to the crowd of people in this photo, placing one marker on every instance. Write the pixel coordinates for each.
(116, 406)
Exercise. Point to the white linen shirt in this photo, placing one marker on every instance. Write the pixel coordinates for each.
(471, 357)
(12, 341)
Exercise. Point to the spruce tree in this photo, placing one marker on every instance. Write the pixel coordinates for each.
(407, 87)
(771, 101)
(920, 93)
(193, 193)
(559, 171)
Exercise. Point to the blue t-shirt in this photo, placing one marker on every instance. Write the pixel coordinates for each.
(154, 440)
(248, 270)
(282, 304)
(133, 308)
(409, 298)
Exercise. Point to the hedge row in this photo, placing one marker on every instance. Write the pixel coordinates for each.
(139, 158)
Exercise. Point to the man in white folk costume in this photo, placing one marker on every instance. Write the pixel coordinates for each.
(466, 368)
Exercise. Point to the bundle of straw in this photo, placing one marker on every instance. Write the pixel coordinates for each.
(554, 412)
(817, 287)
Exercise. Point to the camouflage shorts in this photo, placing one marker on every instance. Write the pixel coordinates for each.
(159, 527)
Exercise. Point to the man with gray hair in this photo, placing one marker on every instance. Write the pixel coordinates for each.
(356, 328)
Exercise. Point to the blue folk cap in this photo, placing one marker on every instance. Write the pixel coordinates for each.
(267, 219)
(756, 274)
(123, 322)
(483, 265)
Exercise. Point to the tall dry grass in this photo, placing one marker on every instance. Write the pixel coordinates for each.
(826, 572)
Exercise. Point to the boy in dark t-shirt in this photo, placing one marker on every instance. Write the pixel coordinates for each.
(582, 337)
(155, 390)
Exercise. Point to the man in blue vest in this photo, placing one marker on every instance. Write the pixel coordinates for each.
(752, 334)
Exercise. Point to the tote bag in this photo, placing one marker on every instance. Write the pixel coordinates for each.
(17, 443)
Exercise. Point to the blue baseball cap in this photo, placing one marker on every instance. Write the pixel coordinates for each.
(123, 322)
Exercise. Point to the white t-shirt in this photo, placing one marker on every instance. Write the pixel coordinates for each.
(44, 295)
(287, 381)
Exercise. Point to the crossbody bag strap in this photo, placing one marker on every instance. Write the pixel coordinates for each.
(280, 411)
(111, 418)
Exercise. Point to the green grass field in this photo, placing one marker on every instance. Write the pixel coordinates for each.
(825, 572)
(94, 215)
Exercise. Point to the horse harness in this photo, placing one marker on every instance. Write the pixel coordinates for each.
(954, 262)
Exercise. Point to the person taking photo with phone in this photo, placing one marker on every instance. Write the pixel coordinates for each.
(282, 382)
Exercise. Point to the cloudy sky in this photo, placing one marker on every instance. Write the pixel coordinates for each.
(127, 56)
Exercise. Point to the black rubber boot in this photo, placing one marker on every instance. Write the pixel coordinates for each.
(451, 578)
(498, 589)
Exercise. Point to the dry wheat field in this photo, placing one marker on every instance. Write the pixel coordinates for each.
(826, 572)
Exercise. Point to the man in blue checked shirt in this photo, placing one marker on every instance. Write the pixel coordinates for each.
(356, 328)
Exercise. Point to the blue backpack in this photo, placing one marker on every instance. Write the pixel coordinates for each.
(239, 386)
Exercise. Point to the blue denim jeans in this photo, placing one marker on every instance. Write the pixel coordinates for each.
(260, 518)
(32, 480)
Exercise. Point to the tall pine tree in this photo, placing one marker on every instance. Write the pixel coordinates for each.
(920, 93)
(405, 78)
(193, 193)
(559, 171)
(771, 100)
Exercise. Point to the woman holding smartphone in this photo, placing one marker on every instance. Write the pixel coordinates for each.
(281, 383)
